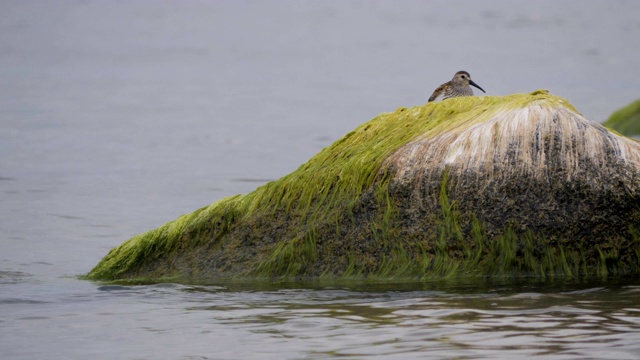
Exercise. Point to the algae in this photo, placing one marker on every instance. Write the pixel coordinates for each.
(626, 120)
(473, 186)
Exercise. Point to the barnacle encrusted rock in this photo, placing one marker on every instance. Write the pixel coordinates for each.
(519, 185)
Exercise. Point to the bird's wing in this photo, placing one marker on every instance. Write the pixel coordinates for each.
(436, 93)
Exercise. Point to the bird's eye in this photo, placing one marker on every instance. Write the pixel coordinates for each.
(463, 76)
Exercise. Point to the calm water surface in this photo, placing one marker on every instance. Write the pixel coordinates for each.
(116, 117)
(295, 321)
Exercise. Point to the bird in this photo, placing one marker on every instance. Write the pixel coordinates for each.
(458, 86)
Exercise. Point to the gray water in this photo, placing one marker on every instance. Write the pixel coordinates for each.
(116, 117)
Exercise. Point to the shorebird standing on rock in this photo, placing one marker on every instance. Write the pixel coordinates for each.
(458, 86)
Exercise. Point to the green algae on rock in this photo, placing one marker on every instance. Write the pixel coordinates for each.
(626, 120)
(520, 185)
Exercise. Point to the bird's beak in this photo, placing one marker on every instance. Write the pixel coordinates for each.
(476, 85)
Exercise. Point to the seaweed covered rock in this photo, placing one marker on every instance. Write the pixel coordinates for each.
(626, 120)
(520, 185)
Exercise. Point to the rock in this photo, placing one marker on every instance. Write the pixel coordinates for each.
(520, 185)
(626, 120)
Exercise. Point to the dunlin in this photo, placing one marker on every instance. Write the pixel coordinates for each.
(458, 86)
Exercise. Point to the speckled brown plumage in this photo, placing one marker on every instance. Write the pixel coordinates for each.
(458, 86)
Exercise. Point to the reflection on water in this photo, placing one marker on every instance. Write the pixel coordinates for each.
(314, 321)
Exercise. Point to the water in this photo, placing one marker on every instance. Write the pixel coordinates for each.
(116, 117)
(296, 321)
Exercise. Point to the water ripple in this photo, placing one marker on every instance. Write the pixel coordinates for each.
(315, 322)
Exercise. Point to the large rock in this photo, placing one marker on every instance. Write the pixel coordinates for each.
(519, 185)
